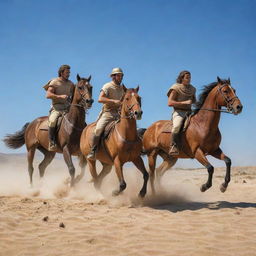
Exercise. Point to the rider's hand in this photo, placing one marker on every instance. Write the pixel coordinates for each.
(64, 97)
(189, 102)
(117, 102)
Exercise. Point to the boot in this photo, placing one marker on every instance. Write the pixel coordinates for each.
(52, 140)
(174, 150)
(95, 141)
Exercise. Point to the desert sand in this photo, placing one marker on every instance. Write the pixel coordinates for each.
(52, 219)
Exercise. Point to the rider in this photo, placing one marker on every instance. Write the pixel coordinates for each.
(180, 96)
(110, 95)
(59, 90)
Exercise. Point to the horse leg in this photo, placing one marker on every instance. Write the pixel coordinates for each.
(168, 162)
(69, 163)
(119, 172)
(152, 165)
(105, 170)
(199, 155)
(30, 158)
(92, 168)
(140, 165)
(48, 157)
(220, 155)
(82, 164)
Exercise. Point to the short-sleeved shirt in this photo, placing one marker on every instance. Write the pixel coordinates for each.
(184, 92)
(60, 88)
(114, 92)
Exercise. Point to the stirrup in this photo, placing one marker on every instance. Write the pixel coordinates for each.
(52, 147)
(174, 150)
(91, 155)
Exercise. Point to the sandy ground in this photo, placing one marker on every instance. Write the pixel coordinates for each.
(52, 219)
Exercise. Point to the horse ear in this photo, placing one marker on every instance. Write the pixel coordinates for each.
(89, 78)
(229, 81)
(124, 88)
(78, 77)
(219, 80)
(138, 87)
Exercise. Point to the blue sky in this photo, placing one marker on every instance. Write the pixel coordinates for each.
(152, 41)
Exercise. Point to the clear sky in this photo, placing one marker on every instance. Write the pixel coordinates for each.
(152, 41)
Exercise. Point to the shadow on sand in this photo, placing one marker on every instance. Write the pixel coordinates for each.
(193, 206)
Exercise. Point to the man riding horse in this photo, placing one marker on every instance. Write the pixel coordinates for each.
(59, 90)
(110, 95)
(180, 96)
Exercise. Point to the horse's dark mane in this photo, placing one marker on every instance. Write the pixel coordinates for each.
(204, 94)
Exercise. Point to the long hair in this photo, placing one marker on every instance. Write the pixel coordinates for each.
(181, 76)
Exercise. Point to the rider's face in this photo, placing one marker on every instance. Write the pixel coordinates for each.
(65, 74)
(186, 79)
(117, 78)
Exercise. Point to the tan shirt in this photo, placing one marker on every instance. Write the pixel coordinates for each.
(184, 92)
(60, 88)
(112, 91)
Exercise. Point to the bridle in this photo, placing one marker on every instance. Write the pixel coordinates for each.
(228, 101)
(84, 101)
(130, 111)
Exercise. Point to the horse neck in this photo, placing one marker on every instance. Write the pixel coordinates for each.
(209, 119)
(76, 114)
(127, 127)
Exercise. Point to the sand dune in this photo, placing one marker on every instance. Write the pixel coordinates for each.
(52, 219)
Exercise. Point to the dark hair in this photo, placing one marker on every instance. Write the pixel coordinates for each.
(62, 68)
(181, 76)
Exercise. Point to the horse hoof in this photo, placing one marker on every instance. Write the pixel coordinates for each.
(223, 188)
(203, 188)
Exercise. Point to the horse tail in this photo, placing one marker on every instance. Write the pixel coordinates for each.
(17, 139)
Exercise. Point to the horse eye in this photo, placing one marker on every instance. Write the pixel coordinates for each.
(225, 91)
(127, 98)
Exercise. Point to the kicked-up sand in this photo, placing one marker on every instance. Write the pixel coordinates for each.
(52, 219)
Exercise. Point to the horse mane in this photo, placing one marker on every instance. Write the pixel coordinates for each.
(202, 97)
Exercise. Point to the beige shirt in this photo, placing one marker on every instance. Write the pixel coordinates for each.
(184, 92)
(112, 91)
(60, 88)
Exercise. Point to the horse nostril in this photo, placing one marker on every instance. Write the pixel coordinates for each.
(92, 100)
(135, 112)
(141, 112)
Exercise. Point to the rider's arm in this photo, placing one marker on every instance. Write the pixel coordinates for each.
(104, 99)
(177, 104)
(50, 94)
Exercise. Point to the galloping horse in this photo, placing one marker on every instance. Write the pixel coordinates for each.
(35, 134)
(121, 146)
(202, 136)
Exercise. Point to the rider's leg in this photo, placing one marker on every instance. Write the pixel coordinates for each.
(103, 120)
(52, 123)
(177, 121)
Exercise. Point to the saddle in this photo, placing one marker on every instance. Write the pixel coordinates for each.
(44, 125)
(167, 128)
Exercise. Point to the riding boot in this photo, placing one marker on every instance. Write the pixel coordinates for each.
(174, 150)
(95, 141)
(52, 140)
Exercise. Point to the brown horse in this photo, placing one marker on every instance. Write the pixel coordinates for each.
(35, 134)
(202, 136)
(122, 145)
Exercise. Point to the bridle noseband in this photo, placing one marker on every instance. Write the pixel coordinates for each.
(229, 102)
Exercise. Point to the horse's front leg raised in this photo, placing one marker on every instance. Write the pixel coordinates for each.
(203, 160)
(119, 172)
(68, 160)
(220, 155)
(140, 165)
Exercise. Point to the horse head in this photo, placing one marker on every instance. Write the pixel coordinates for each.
(83, 92)
(131, 103)
(227, 96)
